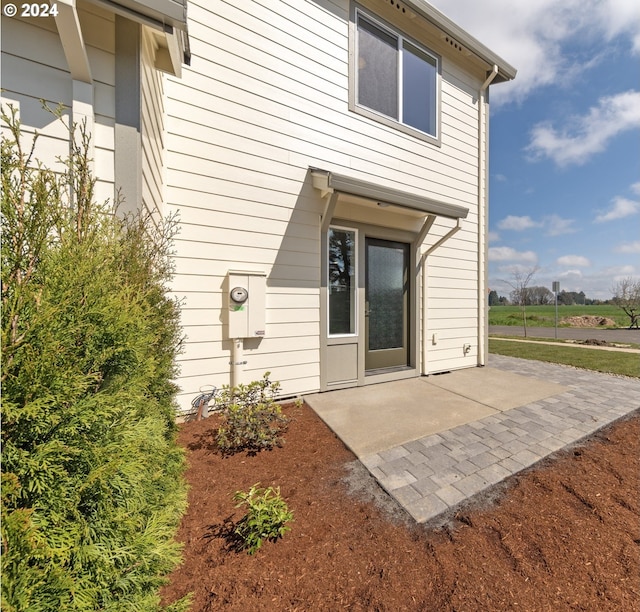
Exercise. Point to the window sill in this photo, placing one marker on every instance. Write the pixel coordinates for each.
(396, 125)
(342, 339)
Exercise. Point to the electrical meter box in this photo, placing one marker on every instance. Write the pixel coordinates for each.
(246, 293)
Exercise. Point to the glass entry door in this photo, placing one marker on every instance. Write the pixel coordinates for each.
(387, 304)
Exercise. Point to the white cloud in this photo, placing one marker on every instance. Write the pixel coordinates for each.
(553, 225)
(588, 134)
(494, 237)
(509, 254)
(533, 36)
(621, 17)
(620, 272)
(636, 188)
(512, 270)
(573, 260)
(629, 247)
(571, 275)
(619, 209)
(595, 282)
(598, 283)
(518, 224)
(557, 226)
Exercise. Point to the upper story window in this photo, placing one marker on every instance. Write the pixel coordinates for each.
(396, 80)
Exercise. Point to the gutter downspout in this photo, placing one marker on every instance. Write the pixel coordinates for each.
(483, 219)
(423, 264)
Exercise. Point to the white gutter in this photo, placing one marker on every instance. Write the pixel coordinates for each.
(483, 219)
(423, 264)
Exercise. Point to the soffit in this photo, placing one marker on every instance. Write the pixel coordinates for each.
(506, 72)
(454, 39)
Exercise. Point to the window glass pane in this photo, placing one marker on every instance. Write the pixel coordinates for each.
(386, 286)
(377, 69)
(418, 89)
(342, 285)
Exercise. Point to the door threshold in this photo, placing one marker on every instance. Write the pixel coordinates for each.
(378, 371)
(373, 377)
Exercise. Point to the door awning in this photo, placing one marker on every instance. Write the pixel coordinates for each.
(331, 182)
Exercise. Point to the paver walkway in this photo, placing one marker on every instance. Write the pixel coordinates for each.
(434, 474)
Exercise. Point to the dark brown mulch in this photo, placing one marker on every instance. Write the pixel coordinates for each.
(563, 536)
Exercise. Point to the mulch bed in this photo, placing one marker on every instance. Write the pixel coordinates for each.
(562, 536)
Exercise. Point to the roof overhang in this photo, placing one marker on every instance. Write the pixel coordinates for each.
(168, 17)
(506, 72)
(330, 182)
(154, 13)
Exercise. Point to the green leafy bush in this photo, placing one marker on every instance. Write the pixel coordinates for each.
(266, 518)
(92, 477)
(251, 418)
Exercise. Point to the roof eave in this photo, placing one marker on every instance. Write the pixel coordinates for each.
(506, 72)
(166, 16)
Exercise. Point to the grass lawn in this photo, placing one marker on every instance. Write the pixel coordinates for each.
(544, 316)
(611, 362)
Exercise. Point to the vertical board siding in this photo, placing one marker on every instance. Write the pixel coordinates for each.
(266, 97)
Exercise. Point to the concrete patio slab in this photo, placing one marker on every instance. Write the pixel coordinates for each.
(443, 440)
(377, 417)
(495, 388)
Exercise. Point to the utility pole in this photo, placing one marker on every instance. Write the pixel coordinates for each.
(556, 290)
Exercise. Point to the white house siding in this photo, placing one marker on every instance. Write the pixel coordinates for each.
(265, 98)
(452, 269)
(34, 67)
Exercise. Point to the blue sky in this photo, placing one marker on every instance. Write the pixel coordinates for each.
(565, 139)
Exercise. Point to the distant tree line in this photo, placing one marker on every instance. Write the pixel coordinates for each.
(626, 296)
(539, 296)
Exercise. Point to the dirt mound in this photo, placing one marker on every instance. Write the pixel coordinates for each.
(588, 321)
(594, 342)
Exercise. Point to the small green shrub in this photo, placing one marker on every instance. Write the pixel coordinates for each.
(251, 418)
(266, 518)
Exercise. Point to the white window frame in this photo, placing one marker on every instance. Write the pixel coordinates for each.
(356, 255)
(353, 77)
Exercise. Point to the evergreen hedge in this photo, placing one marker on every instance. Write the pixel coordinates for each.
(92, 477)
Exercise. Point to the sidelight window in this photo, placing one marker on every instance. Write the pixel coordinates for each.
(341, 286)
